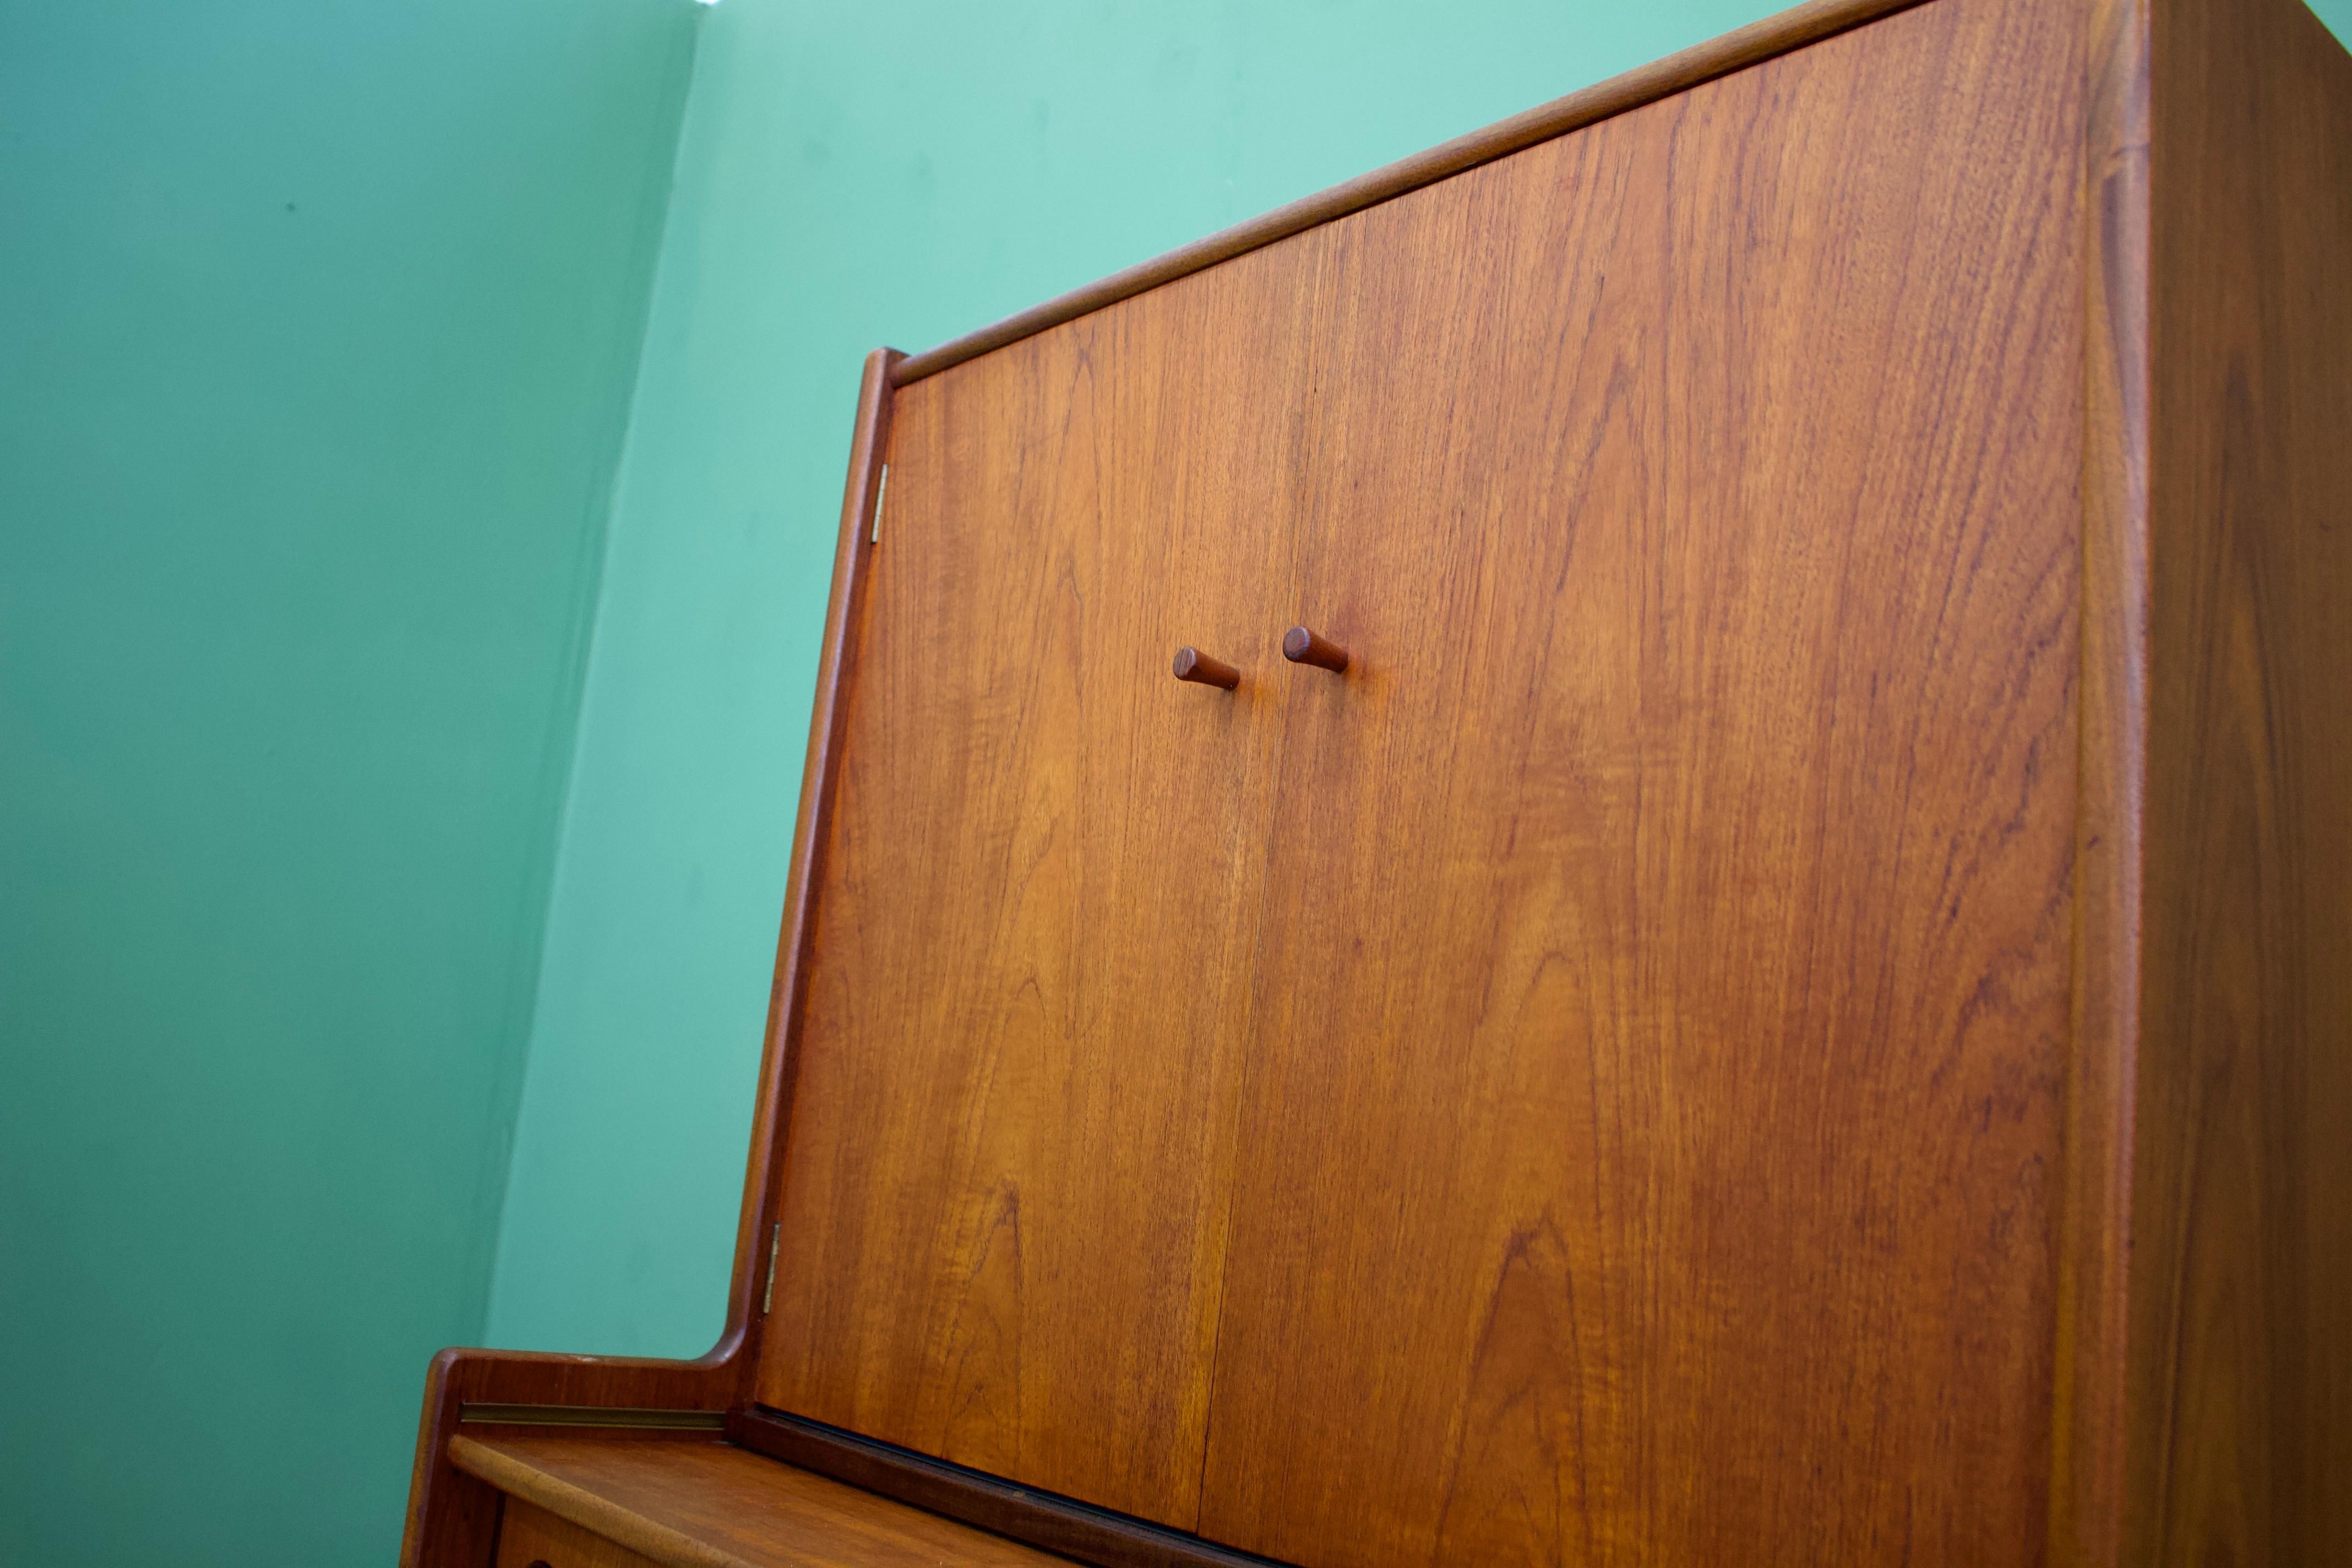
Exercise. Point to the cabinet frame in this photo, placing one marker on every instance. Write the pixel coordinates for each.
(2143, 68)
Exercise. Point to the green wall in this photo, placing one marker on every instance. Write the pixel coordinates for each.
(317, 323)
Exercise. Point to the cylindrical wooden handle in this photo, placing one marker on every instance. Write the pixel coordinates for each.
(1300, 646)
(1191, 664)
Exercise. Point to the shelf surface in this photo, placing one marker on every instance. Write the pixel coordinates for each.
(694, 1503)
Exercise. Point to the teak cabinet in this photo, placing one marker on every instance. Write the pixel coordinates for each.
(1788, 1001)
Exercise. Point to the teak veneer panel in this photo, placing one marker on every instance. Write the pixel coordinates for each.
(1727, 938)
(1005, 1186)
(2238, 1388)
(1655, 1109)
(692, 1504)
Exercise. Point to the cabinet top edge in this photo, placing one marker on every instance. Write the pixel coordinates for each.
(1776, 35)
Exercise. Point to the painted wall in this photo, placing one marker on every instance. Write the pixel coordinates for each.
(317, 323)
(848, 177)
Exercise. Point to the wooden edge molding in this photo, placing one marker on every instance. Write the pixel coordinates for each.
(748, 1294)
(1759, 41)
(505, 1473)
(2087, 1432)
(484, 1413)
(1041, 1519)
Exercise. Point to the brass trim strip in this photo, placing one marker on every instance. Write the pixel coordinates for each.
(473, 1413)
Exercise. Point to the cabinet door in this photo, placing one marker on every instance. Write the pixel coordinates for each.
(1650, 1140)
(1006, 1174)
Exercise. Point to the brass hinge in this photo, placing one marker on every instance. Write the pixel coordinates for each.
(775, 1238)
(881, 494)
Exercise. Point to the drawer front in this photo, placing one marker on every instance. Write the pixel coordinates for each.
(532, 1537)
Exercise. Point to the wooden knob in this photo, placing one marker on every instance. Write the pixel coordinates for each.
(1300, 646)
(1191, 664)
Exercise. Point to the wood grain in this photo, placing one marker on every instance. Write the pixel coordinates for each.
(1649, 1151)
(711, 1505)
(452, 1517)
(2241, 1315)
(1005, 1199)
(1776, 35)
(2088, 1415)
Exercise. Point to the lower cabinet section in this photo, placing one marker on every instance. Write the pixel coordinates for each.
(571, 1499)
(532, 1537)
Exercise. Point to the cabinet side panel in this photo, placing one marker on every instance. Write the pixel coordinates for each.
(2240, 1448)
